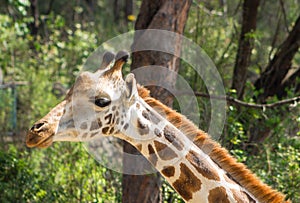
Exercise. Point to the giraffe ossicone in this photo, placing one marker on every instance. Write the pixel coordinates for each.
(104, 104)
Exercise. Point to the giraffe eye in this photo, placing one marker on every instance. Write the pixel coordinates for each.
(102, 102)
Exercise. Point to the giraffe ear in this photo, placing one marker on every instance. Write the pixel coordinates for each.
(120, 59)
(107, 59)
(131, 88)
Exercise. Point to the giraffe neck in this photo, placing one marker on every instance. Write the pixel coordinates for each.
(236, 172)
(190, 171)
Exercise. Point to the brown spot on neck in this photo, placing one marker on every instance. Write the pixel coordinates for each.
(170, 135)
(71, 125)
(187, 183)
(168, 171)
(142, 128)
(99, 122)
(139, 147)
(111, 130)
(152, 156)
(202, 166)
(138, 105)
(218, 195)
(84, 135)
(157, 132)
(108, 118)
(126, 126)
(118, 121)
(147, 114)
(105, 130)
(163, 151)
(94, 126)
(93, 134)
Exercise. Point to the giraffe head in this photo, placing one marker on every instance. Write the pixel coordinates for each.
(95, 106)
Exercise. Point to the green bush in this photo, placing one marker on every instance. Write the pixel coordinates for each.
(63, 173)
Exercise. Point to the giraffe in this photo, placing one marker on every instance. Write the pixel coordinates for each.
(197, 167)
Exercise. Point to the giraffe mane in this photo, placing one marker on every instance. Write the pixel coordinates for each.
(237, 171)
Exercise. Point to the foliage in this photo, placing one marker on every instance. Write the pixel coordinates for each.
(6, 114)
(63, 173)
(214, 28)
(69, 32)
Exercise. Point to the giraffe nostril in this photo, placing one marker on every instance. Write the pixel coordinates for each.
(37, 126)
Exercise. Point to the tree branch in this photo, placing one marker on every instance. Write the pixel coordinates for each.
(286, 24)
(294, 101)
(12, 84)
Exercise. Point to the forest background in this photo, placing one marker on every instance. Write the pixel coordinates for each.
(43, 45)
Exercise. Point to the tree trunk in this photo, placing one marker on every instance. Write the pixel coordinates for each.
(163, 15)
(116, 9)
(242, 61)
(34, 26)
(272, 79)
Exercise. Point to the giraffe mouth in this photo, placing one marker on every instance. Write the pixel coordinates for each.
(35, 140)
(44, 143)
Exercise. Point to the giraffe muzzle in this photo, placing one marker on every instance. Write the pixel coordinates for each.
(40, 135)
